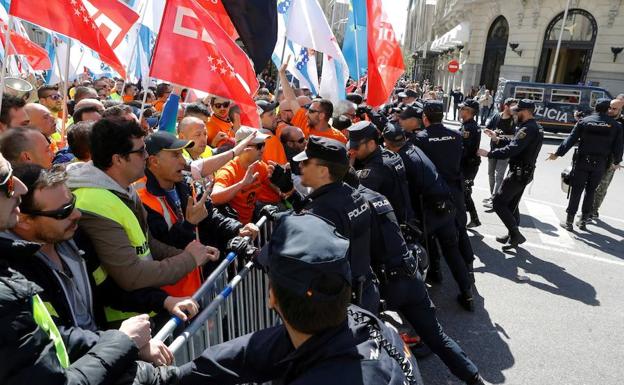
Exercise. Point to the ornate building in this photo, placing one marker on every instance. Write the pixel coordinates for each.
(517, 40)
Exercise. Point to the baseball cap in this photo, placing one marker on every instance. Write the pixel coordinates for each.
(524, 104)
(266, 106)
(393, 132)
(296, 261)
(327, 149)
(470, 103)
(245, 131)
(412, 111)
(432, 106)
(164, 141)
(360, 131)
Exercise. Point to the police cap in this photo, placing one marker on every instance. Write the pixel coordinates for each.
(361, 131)
(322, 148)
(524, 104)
(433, 106)
(470, 103)
(393, 132)
(164, 141)
(411, 93)
(296, 261)
(341, 122)
(602, 104)
(412, 111)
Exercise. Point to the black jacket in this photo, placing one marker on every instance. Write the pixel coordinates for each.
(598, 135)
(444, 147)
(342, 355)
(471, 134)
(524, 148)
(28, 355)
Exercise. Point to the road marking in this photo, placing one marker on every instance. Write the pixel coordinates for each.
(547, 222)
(567, 252)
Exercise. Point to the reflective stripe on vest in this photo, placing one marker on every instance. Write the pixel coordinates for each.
(108, 205)
(43, 319)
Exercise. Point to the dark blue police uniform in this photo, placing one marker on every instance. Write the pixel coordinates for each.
(444, 147)
(403, 289)
(361, 350)
(599, 137)
(470, 161)
(522, 152)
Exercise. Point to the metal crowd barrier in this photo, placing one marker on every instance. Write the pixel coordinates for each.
(231, 309)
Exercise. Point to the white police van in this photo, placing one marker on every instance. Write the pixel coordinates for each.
(555, 104)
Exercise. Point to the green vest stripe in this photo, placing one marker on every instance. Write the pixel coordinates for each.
(44, 320)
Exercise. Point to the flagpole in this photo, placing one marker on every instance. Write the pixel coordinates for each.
(553, 68)
(277, 83)
(65, 81)
(7, 40)
(357, 53)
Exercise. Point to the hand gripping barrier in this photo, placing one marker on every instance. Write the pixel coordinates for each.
(233, 309)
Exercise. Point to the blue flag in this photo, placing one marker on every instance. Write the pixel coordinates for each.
(356, 26)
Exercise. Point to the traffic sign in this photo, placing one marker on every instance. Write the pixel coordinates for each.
(453, 66)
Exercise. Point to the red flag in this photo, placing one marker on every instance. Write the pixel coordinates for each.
(113, 18)
(206, 58)
(218, 12)
(70, 18)
(385, 61)
(37, 57)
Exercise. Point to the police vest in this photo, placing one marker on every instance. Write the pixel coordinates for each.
(108, 205)
(43, 319)
(187, 285)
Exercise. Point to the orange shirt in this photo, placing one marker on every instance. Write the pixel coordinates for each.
(244, 202)
(159, 105)
(216, 125)
(127, 98)
(332, 133)
(273, 149)
(301, 120)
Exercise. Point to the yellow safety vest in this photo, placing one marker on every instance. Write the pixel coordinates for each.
(108, 205)
(44, 320)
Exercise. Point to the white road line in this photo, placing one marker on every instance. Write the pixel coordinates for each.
(566, 252)
(547, 222)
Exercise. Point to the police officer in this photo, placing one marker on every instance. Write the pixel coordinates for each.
(471, 133)
(396, 266)
(599, 137)
(522, 152)
(323, 165)
(379, 169)
(433, 205)
(444, 148)
(410, 119)
(322, 340)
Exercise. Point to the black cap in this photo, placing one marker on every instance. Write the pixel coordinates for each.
(432, 106)
(401, 95)
(393, 132)
(296, 261)
(412, 111)
(602, 104)
(327, 149)
(524, 104)
(470, 103)
(355, 98)
(341, 122)
(410, 93)
(360, 131)
(162, 140)
(266, 106)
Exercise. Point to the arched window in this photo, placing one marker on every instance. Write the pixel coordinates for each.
(577, 45)
(495, 48)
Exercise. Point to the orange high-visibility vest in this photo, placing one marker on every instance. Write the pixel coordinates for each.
(188, 284)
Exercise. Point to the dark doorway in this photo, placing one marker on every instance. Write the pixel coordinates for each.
(577, 45)
(495, 48)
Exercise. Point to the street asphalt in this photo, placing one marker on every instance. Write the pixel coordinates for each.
(552, 312)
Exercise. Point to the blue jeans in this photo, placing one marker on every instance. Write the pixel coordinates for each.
(484, 113)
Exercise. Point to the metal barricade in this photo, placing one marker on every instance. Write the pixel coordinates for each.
(230, 309)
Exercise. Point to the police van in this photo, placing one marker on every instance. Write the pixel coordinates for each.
(555, 104)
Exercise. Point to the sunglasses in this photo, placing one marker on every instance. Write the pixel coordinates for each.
(141, 150)
(8, 184)
(221, 105)
(258, 146)
(54, 97)
(313, 111)
(57, 214)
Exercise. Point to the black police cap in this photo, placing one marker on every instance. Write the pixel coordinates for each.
(411, 93)
(164, 141)
(393, 132)
(470, 103)
(361, 131)
(322, 148)
(524, 104)
(412, 111)
(341, 122)
(432, 106)
(302, 250)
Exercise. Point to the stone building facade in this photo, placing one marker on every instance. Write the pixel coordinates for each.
(517, 40)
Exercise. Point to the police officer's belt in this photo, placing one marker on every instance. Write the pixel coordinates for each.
(407, 270)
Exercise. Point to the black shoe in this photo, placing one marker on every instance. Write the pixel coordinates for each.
(568, 223)
(503, 239)
(582, 223)
(476, 380)
(516, 238)
(473, 223)
(466, 301)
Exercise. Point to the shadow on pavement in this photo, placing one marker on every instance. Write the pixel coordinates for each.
(543, 227)
(602, 242)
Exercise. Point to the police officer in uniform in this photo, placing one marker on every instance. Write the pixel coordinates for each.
(322, 340)
(323, 165)
(379, 169)
(433, 205)
(444, 148)
(522, 152)
(410, 119)
(599, 137)
(401, 286)
(471, 133)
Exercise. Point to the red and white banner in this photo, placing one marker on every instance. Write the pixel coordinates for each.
(113, 18)
(20, 45)
(218, 12)
(385, 61)
(192, 50)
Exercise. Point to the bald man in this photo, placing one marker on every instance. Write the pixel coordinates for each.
(41, 118)
(26, 145)
(193, 128)
(89, 102)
